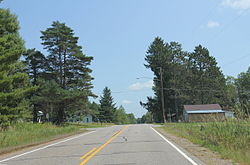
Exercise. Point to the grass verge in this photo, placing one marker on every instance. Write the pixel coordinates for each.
(91, 125)
(29, 134)
(231, 139)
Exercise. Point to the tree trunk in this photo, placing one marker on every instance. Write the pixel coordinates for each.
(35, 113)
(64, 70)
(60, 68)
(60, 116)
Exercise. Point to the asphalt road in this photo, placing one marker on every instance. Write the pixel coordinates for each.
(116, 145)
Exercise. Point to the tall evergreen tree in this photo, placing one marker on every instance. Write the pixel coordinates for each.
(188, 78)
(66, 59)
(208, 82)
(68, 65)
(14, 85)
(158, 56)
(35, 65)
(107, 106)
(171, 59)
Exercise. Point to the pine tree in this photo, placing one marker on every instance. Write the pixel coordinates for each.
(14, 86)
(68, 65)
(36, 65)
(66, 59)
(107, 106)
(48, 98)
(78, 72)
(208, 82)
(159, 56)
(188, 78)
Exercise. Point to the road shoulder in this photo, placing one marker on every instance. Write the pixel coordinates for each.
(202, 153)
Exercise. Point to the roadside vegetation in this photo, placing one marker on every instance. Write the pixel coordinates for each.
(231, 139)
(90, 125)
(28, 134)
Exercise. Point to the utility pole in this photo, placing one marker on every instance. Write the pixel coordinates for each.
(175, 104)
(162, 98)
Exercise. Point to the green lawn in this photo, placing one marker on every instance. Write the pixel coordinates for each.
(231, 139)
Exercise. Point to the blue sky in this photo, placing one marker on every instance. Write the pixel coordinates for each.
(117, 34)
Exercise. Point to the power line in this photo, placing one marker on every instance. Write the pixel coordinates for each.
(127, 91)
(237, 60)
(205, 18)
(229, 24)
(190, 89)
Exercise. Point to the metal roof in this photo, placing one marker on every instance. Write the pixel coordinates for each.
(206, 111)
(204, 107)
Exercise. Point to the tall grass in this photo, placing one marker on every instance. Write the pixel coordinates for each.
(231, 138)
(27, 134)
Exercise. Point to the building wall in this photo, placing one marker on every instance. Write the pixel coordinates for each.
(79, 119)
(88, 119)
(229, 115)
(206, 117)
(185, 116)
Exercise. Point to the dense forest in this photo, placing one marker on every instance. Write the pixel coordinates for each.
(191, 78)
(57, 85)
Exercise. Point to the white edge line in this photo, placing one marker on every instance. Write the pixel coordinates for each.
(182, 153)
(75, 137)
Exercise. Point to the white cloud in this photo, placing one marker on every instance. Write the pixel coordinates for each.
(139, 86)
(213, 24)
(237, 4)
(127, 102)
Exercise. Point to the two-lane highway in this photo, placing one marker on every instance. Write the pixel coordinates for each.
(116, 145)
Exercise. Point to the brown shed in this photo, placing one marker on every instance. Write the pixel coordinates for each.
(203, 113)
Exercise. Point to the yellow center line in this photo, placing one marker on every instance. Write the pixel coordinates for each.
(100, 148)
(87, 153)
